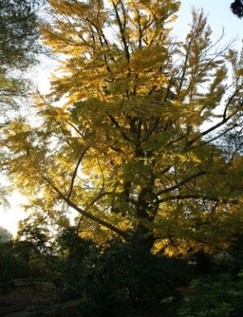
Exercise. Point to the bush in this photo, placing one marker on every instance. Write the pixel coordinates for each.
(126, 278)
(216, 296)
(73, 260)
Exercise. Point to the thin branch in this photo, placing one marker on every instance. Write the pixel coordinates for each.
(218, 135)
(122, 27)
(213, 128)
(181, 183)
(113, 120)
(188, 196)
(151, 130)
(84, 212)
(75, 128)
(76, 171)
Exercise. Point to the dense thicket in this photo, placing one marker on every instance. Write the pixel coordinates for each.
(124, 279)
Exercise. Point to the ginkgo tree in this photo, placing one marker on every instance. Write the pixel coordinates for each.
(133, 135)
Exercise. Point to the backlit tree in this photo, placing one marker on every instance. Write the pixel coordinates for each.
(136, 143)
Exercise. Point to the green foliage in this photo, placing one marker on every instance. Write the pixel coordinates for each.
(7, 264)
(75, 256)
(114, 278)
(18, 35)
(121, 278)
(216, 296)
(125, 279)
(19, 259)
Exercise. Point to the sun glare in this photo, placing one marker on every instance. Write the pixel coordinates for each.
(10, 216)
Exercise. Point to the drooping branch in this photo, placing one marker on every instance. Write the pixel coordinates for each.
(85, 212)
(216, 126)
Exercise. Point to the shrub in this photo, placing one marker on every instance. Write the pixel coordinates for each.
(125, 278)
(216, 296)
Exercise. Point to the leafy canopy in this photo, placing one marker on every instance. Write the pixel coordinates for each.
(137, 142)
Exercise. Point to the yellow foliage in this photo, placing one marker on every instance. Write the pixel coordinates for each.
(133, 146)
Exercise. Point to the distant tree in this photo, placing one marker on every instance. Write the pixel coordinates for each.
(5, 235)
(237, 8)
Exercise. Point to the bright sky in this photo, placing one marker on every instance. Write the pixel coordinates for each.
(219, 17)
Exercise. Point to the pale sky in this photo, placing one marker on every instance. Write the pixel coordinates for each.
(219, 17)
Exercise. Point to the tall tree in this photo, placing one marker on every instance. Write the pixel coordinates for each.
(132, 144)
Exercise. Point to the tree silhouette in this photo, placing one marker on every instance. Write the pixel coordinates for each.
(237, 8)
(5, 235)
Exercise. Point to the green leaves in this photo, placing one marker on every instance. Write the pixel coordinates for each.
(218, 296)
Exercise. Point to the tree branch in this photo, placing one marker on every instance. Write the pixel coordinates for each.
(181, 183)
(69, 193)
(84, 212)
